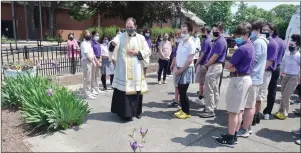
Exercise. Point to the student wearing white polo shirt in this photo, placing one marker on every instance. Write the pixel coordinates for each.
(185, 69)
(89, 63)
(290, 67)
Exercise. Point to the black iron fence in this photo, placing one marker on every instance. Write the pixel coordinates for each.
(50, 60)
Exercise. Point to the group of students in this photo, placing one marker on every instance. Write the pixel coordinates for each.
(254, 71)
(254, 68)
(94, 61)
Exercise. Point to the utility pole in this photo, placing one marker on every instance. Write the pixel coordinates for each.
(41, 25)
(25, 18)
(14, 19)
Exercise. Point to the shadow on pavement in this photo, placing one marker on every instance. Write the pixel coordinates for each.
(199, 137)
(105, 116)
(277, 135)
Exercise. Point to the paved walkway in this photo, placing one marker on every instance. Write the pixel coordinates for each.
(105, 132)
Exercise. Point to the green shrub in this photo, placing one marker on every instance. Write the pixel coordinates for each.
(4, 39)
(155, 33)
(110, 31)
(43, 103)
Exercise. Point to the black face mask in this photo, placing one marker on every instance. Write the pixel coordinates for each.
(204, 36)
(267, 35)
(88, 38)
(291, 48)
(215, 34)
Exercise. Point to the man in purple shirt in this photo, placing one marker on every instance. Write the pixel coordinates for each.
(240, 67)
(271, 66)
(203, 59)
(214, 70)
(275, 73)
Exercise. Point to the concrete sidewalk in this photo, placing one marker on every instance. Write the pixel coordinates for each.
(105, 132)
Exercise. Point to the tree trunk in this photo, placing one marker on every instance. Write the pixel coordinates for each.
(51, 14)
(30, 17)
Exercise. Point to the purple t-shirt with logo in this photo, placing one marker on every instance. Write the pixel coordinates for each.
(281, 49)
(272, 53)
(243, 58)
(206, 48)
(219, 47)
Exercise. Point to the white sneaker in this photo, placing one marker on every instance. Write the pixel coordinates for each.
(266, 116)
(94, 92)
(165, 82)
(159, 82)
(98, 91)
(90, 97)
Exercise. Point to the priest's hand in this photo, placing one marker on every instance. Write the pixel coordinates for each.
(132, 52)
(114, 43)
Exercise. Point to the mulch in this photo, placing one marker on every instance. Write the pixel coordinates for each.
(13, 132)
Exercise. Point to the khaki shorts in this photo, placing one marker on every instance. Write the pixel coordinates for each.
(253, 93)
(237, 93)
(200, 74)
(263, 89)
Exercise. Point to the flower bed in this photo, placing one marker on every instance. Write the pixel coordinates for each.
(43, 103)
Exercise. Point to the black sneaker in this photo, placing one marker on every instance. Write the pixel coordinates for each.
(226, 140)
(201, 97)
(254, 121)
(235, 138)
(173, 104)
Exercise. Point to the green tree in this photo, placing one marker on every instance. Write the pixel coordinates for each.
(283, 14)
(145, 12)
(211, 12)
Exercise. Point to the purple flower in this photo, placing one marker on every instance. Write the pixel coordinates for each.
(55, 64)
(143, 132)
(49, 92)
(135, 145)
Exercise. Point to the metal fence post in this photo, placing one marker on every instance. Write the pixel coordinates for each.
(26, 52)
(73, 66)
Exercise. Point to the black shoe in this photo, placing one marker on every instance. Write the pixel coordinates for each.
(138, 116)
(242, 122)
(235, 138)
(173, 104)
(201, 97)
(226, 140)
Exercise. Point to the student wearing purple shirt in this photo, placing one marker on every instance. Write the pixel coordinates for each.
(240, 66)
(271, 66)
(97, 53)
(147, 35)
(203, 59)
(275, 74)
(214, 70)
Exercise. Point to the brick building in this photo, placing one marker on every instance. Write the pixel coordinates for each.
(63, 22)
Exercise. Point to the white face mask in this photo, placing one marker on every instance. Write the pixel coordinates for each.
(105, 41)
(184, 36)
(147, 34)
(96, 38)
(197, 35)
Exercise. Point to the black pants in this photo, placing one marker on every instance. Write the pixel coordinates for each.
(272, 91)
(298, 89)
(184, 98)
(169, 63)
(163, 66)
(104, 80)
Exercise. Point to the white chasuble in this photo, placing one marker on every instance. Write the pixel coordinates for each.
(128, 74)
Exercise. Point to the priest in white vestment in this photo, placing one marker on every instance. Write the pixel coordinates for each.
(130, 52)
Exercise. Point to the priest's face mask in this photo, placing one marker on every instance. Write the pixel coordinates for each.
(130, 27)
